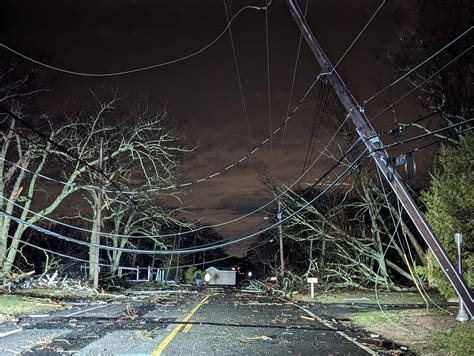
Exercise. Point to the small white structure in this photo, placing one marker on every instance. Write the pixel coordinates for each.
(221, 276)
(312, 281)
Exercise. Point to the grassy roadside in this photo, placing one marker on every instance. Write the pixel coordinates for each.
(425, 331)
(458, 340)
(368, 297)
(12, 306)
(374, 319)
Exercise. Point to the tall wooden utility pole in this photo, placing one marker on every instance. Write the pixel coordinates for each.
(98, 218)
(382, 160)
(280, 232)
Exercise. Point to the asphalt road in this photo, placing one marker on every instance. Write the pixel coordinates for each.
(204, 323)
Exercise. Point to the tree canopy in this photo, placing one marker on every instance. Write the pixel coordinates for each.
(450, 203)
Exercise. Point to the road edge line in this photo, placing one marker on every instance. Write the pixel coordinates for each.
(83, 311)
(11, 332)
(343, 334)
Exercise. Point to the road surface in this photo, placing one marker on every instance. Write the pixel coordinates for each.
(204, 323)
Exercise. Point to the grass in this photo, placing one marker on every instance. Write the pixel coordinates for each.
(368, 297)
(14, 305)
(376, 318)
(458, 340)
(428, 332)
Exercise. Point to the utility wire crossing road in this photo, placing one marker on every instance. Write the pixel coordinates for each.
(211, 323)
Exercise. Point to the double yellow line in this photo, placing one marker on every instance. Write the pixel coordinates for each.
(178, 327)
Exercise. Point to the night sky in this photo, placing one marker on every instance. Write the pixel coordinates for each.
(202, 92)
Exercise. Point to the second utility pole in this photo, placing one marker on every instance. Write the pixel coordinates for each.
(280, 231)
(98, 218)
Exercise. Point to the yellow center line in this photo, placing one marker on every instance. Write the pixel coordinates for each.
(187, 328)
(178, 327)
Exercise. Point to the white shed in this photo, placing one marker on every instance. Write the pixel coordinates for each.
(221, 276)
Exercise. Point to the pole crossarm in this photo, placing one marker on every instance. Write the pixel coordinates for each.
(381, 158)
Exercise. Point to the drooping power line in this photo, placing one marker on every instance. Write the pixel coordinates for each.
(135, 70)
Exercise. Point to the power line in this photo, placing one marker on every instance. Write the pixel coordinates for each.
(419, 65)
(296, 108)
(213, 175)
(244, 105)
(420, 84)
(290, 97)
(66, 151)
(400, 212)
(351, 149)
(420, 282)
(252, 212)
(314, 129)
(427, 134)
(109, 265)
(419, 148)
(236, 219)
(181, 251)
(260, 208)
(268, 79)
(229, 166)
(149, 190)
(202, 249)
(378, 272)
(359, 34)
(339, 60)
(365, 102)
(84, 74)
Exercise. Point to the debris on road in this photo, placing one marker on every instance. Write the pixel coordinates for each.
(261, 338)
(145, 334)
(259, 303)
(55, 284)
(129, 312)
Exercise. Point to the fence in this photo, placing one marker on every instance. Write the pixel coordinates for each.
(149, 273)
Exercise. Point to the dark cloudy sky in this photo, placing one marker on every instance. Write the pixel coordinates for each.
(202, 92)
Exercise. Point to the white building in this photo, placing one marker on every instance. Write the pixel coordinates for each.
(221, 276)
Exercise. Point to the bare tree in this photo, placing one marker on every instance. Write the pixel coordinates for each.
(142, 153)
(139, 158)
(444, 84)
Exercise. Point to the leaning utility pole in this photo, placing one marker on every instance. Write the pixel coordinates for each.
(98, 218)
(280, 232)
(382, 160)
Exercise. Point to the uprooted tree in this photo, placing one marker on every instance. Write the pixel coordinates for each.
(352, 238)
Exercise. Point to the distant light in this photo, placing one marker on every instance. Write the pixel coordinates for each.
(273, 279)
(250, 274)
(233, 268)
